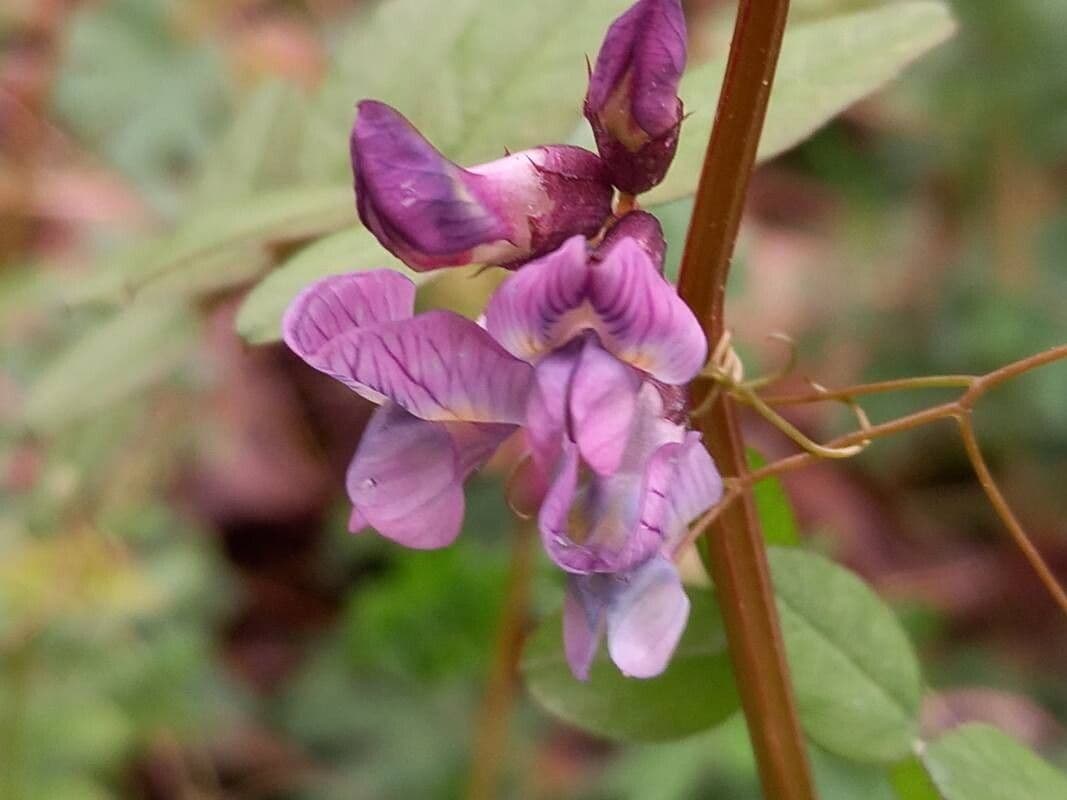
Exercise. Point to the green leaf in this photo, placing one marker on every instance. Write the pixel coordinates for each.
(696, 691)
(120, 356)
(979, 762)
(259, 318)
(222, 236)
(827, 64)
(773, 506)
(839, 779)
(475, 76)
(910, 781)
(856, 677)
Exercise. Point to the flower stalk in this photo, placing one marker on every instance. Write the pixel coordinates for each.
(735, 545)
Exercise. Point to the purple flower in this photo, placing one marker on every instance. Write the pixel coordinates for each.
(632, 103)
(580, 354)
(431, 213)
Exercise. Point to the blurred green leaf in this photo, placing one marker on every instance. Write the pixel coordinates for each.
(475, 76)
(696, 691)
(840, 779)
(979, 762)
(260, 316)
(118, 357)
(773, 506)
(255, 151)
(856, 677)
(910, 781)
(826, 65)
(136, 88)
(215, 239)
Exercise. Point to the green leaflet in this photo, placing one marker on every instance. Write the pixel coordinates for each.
(979, 762)
(696, 692)
(856, 677)
(130, 350)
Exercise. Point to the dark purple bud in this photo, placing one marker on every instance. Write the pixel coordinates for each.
(432, 213)
(640, 226)
(632, 103)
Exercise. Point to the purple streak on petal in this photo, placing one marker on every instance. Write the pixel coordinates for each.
(553, 519)
(406, 479)
(527, 311)
(340, 303)
(646, 619)
(437, 365)
(583, 626)
(693, 488)
(641, 227)
(602, 401)
(642, 319)
(335, 306)
(421, 206)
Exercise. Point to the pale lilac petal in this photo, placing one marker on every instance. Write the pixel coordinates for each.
(643, 321)
(583, 627)
(438, 366)
(406, 480)
(537, 308)
(694, 486)
(553, 519)
(646, 619)
(546, 410)
(357, 522)
(602, 401)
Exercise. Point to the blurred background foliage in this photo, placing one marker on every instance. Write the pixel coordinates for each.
(181, 612)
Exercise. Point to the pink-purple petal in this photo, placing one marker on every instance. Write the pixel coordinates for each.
(406, 479)
(437, 365)
(642, 320)
(529, 312)
(647, 618)
(602, 401)
(419, 205)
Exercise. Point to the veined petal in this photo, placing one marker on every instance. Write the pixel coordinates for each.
(646, 619)
(538, 308)
(419, 204)
(438, 366)
(602, 401)
(693, 487)
(642, 320)
(591, 523)
(340, 303)
(406, 479)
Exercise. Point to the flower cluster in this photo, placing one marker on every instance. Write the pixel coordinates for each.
(583, 351)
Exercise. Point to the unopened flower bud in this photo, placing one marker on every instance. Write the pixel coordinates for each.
(641, 227)
(632, 103)
(432, 213)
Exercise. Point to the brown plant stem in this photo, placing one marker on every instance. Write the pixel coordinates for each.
(736, 552)
(490, 739)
